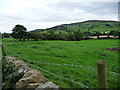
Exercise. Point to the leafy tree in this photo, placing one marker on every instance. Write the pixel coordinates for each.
(74, 36)
(87, 34)
(116, 33)
(49, 36)
(112, 32)
(6, 35)
(78, 36)
(19, 32)
(97, 34)
(69, 37)
(28, 36)
(108, 34)
(36, 36)
(61, 36)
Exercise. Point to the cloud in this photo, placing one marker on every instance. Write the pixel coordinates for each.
(44, 14)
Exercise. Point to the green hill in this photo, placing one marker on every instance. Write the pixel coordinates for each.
(90, 25)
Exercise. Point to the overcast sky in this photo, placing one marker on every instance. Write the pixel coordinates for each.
(41, 14)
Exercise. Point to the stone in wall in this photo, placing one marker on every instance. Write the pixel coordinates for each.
(33, 85)
(47, 86)
(30, 77)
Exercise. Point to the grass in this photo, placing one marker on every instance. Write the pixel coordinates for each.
(82, 53)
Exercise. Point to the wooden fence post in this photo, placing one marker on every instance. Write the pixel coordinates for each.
(0, 61)
(102, 74)
(3, 51)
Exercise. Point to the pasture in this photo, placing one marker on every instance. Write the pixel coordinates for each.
(73, 60)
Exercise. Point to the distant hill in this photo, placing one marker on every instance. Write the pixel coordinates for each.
(90, 25)
(38, 30)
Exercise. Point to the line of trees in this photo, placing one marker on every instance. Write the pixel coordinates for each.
(19, 32)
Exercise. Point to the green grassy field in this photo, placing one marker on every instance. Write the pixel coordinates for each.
(81, 53)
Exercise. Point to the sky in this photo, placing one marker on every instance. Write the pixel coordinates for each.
(41, 14)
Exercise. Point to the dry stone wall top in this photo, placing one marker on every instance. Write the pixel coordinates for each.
(32, 79)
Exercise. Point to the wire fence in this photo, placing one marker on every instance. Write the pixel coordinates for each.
(29, 61)
(33, 62)
(84, 86)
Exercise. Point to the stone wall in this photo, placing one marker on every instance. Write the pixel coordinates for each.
(32, 79)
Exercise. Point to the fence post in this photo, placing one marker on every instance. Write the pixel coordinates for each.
(102, 74)
(3, 51)
(0, 61)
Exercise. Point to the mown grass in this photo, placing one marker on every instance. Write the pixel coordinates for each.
(82, 53)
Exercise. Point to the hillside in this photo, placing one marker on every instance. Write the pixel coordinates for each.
(90, 25)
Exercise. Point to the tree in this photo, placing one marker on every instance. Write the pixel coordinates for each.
(5, 35)
(98, 34)
(86, 34)
(50, 36)
(28, 36)
(19, 32)
(112, 32)
(116, 33)
(74, 36)
(108, 34)
(78, 36)
(36, 36)
(69, 37)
